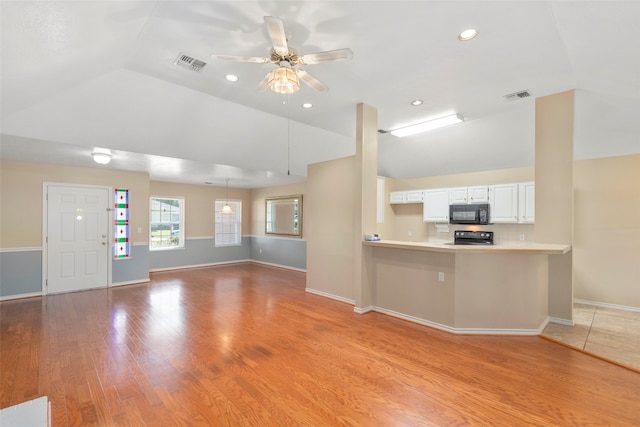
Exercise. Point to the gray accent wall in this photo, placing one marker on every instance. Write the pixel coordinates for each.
(199, 252)
(20, 272)
(134, 269)
(286, 252)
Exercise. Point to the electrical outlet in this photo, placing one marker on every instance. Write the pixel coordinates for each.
(522, 236)
(260, 250)
(410, 233)
(441, 277)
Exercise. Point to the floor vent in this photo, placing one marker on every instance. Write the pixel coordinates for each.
(189, 62)
(517, 95)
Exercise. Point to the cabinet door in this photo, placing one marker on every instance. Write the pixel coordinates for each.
(478, 194)
(503, 199)
(396, 197)
(436, 205)
(458, 195)
(414, 196)
(527, 202)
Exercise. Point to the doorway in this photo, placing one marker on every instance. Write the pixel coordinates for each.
(76, 238)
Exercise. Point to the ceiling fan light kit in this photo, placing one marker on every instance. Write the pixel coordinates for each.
(428, 125)
(284, 80)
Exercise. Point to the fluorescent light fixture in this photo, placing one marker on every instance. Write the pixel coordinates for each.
(101, 158)
(429, 125)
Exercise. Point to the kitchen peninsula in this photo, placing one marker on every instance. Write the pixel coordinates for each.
(497, 289)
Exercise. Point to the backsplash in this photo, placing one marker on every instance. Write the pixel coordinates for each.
(502, 233)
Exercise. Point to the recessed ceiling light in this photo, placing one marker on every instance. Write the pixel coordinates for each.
(307, 105)
(467, 34)
(416, 102)
(231, 78)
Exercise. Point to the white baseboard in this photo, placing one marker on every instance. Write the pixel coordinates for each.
(607, 305)
(19, 296)
(363, 310)
(286, 267)
(461, 331)
(184, 267)
(560, 321)
(133, 282)
(328, 295)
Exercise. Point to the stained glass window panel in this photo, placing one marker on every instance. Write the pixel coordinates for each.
(121, 243)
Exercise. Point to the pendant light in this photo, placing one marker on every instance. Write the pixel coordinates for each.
(226, 208)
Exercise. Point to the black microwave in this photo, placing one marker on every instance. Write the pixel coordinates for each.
(475, 213)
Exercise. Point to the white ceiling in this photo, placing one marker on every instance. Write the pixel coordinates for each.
(77, 75)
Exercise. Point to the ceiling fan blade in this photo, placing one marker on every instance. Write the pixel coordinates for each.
(311, 81)
(255, 59)
(275, 28)
(329, 55)
(264, 84)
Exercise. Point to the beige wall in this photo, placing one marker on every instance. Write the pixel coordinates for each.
(406, 282)
(21, 186)
(258, 196)
(200, 205)
(606, 256)
(554, 194)
(329, 223)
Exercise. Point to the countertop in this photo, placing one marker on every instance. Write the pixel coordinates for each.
(524, 248)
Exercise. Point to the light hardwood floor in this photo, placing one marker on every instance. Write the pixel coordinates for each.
(245, 345)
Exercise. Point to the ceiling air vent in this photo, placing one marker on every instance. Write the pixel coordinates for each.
(382, 131)
(517, 95)
(186, 61)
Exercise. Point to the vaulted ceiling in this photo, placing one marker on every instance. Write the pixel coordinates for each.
(102, 74)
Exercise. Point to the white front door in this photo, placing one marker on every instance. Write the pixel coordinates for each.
(77, 238)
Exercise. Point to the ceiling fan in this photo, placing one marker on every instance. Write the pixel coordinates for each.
(286, 78)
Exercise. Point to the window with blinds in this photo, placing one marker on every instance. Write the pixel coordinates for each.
(228, 224)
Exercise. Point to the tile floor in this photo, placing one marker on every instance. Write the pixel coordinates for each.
(606, 332)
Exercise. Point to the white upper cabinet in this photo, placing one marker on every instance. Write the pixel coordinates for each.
(415, 196)
(400, 197)
(396, 197)
(436, 205)
(458, 195)
(464, 195)
(504, 203)
(527, 202)
(478, 194)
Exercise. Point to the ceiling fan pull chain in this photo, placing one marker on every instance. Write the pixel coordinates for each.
(288, 135)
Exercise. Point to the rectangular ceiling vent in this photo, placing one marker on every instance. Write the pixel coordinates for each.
(517, 95)
(189, 62)
(382, 131)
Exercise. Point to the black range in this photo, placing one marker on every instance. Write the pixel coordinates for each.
(466, 237)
